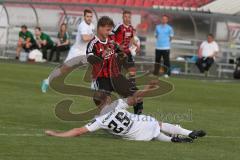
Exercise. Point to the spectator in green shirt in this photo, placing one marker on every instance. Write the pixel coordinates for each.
(63, 43)
(44, 41)
(26, 41)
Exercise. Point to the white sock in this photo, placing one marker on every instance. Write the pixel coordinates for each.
(163, 137)
(174, 129)
(47, 80)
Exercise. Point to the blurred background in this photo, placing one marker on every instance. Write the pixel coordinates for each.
(192, 20)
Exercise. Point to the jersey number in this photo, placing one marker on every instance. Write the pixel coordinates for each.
(121, 118)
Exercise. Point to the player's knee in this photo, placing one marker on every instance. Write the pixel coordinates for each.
(65, 69)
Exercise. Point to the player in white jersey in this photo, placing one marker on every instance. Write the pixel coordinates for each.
(115, 118)
(77, 53)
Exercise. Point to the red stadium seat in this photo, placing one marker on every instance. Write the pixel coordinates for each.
(111, 2)
(72, 1)
(148, 3)
(120, 2)
(91, 1)
(137, 3)
(156, 2)
(102, 1)
(161, 2)
(88, 1)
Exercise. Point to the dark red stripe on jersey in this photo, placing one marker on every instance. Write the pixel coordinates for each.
(107, 52)
(123, 36)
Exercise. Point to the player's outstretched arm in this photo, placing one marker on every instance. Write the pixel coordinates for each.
(71, 133)
(147, 88)
(138, 95)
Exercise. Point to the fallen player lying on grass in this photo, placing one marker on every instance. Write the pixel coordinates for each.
(115, 118)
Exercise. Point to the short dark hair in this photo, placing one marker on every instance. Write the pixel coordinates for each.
(24, 26)
(127, 12)
(211, 35)
(99, 97)
(105, 21)
(64, 24)
(165, 16)
(86, 11)
(38, 28)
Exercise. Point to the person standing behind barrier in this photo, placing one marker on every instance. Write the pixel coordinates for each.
(206, 54)
(44, 41)
(124, 37)
(164, 33)
(63, 43)
(26, 41)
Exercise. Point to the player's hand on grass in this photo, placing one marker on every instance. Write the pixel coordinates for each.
(50, 132)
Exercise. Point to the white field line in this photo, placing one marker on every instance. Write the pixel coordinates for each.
(22, 135)
(41, 134)
(224, 137)
(21, 128)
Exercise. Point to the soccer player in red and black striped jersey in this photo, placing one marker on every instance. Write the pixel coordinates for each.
(124, 37)
(103, 53)
(124, 32)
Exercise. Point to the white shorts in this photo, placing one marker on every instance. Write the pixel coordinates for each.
(75, 56)
(75, 52)
(145, 128)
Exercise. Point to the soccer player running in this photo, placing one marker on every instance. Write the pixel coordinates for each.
(124, 37)
(103, 53)
(115, 119)
(77, 53)
(26, 41)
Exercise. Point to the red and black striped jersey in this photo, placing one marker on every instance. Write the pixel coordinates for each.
(123, 36)
(106, 52)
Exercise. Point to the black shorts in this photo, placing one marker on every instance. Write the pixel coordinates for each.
(130, 58)
(32, 47)
(120, 85)
(130, 61)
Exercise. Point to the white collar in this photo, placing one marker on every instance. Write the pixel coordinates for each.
(210, 42)
(86, 23)
(126, 25)
(105, 42)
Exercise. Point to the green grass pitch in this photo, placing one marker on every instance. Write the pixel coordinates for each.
(25, 112)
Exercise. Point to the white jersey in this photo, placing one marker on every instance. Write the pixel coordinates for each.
(79, 47)
(83, 29)
(208, 49)
(118, 121)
